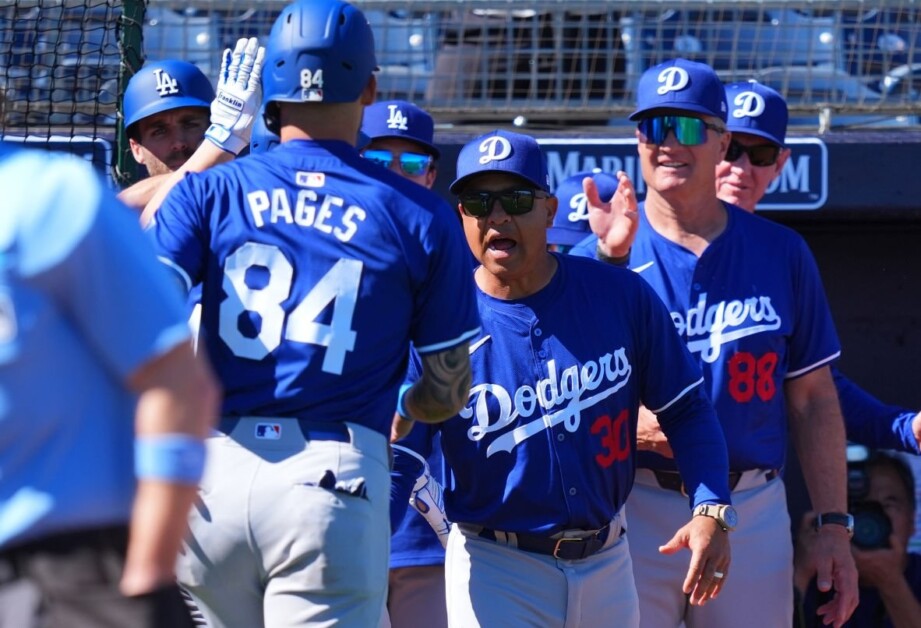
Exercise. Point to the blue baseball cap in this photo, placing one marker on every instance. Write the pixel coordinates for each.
(502, 151)
(683, 85)
(402, 120)
(757, 109)
(570, 226)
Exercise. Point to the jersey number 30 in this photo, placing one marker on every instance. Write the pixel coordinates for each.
(338, 286)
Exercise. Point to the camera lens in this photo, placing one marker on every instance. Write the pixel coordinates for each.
(872, 526)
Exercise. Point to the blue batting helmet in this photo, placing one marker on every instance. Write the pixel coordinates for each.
(262, 139)
(318, 51)
(163, 85)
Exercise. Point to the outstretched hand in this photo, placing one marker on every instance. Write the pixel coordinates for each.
(614, 222)
(710, 557)
(239, 96)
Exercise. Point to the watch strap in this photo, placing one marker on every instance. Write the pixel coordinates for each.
(836, 518)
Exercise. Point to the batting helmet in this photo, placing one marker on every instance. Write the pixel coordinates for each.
(318, 51)
(262, 139)
(163, 85)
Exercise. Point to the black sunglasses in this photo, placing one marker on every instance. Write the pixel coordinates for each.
(688, 131)
(479, 204)
(760, 155)
(412, 164)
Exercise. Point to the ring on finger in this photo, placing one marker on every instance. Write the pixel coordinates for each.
(719, 575)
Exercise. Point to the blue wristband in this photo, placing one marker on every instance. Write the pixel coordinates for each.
(401, 407)
(174, 458)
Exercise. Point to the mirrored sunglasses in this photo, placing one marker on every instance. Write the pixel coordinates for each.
(688, 131)
(760, 155)
(479, 204)
(412, 164)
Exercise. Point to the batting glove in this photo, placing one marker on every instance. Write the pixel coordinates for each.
(427, 497)
(238, 96)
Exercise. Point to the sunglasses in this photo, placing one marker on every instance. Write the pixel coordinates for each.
(412, 164)
(479, 204)
(760, 155)
(688, 131)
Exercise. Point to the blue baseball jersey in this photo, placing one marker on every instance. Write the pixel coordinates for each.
(546, 441)
(83, 304)
(752, 310)
(318, 268)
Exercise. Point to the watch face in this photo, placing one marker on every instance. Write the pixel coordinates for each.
(730, 516)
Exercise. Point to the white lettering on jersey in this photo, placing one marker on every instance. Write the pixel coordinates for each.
(708, 327)
(166, 84)
(396, 120)
(303, 211)
(560, 393)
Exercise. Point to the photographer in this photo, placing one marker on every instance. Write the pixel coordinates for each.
(881, 495)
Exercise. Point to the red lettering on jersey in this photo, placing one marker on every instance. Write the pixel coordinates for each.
(749, 376)
(615, 439)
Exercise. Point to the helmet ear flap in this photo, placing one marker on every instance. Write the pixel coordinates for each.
(272, 117)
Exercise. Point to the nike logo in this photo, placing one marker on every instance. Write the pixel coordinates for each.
(479, 343)
(640, 269)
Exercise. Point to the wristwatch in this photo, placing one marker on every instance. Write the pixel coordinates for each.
(836, 518)
(724, 514)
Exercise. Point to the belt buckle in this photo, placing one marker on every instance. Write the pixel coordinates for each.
(559, 542)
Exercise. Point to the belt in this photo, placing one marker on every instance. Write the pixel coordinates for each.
(567, 548)
(671, 480)
(311, 430)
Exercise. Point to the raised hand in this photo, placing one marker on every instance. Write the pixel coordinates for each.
(239, 96)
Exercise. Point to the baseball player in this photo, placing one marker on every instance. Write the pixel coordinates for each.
(746, 296)
(570, 226)
(318, 268)
(92, 332)
(756, 156)
(401, 138)
(542, 455)
(171, 108)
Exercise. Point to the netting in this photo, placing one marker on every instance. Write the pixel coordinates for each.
(59, 68)
(844, 63)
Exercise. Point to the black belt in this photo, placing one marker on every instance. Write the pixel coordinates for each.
(565, 548)
(312, 430)
(671, 480)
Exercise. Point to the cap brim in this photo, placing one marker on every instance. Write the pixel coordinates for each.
(759, 133)
(429, 148)
(645, 113)
(461, 181)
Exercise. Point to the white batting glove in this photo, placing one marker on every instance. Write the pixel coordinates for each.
(427, 497)
(238, 97)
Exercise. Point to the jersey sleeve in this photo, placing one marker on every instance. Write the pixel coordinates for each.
(871, 422)
(446, 310)
(814, 341)
(178, 230)
(111, 286)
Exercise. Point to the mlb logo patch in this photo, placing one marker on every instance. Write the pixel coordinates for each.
(268, 431)
(311, 179)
